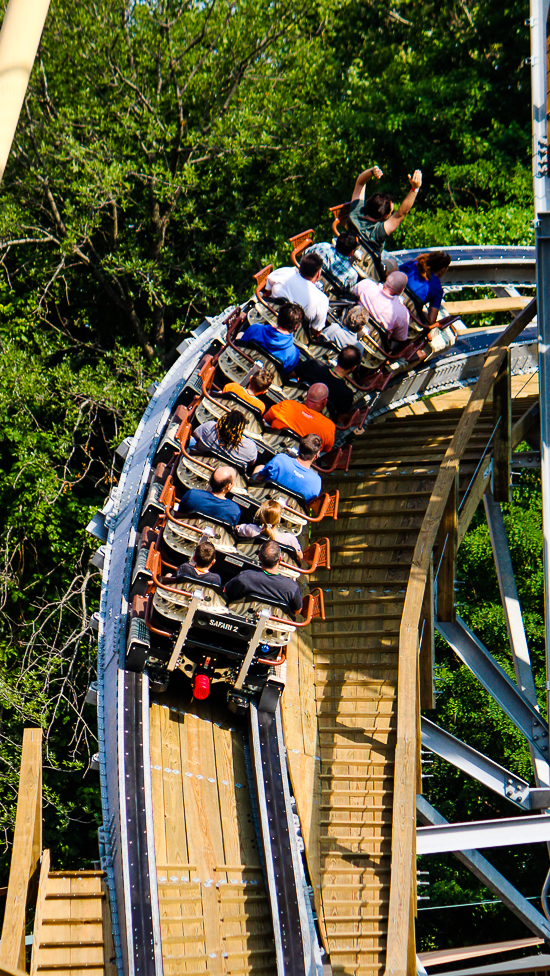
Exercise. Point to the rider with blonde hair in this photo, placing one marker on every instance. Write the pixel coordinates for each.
(265, 523)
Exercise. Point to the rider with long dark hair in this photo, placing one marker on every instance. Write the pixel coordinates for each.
(226, 435)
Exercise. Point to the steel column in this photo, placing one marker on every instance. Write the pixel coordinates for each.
(543, 296)
(538, 23)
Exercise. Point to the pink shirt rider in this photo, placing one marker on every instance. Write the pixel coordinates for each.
(385, 308)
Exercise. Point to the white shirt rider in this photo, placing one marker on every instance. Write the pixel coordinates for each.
(300, 286)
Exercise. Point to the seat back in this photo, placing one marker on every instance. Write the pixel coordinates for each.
(278, 632)
(173, 602)
(210, 409)
(299, 243)
(375, 341)
(261, 280)
(340, 216)
(235, 363)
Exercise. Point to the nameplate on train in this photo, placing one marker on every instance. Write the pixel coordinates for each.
(234, 561)
(222, 625)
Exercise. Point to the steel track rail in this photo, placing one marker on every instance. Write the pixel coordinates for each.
(293, 943)
(483, 265)
(126, 837)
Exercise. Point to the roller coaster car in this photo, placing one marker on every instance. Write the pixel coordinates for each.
(254, 636)
(229, 559)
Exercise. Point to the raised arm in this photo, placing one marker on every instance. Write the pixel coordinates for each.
(392, 223)
(363, 179)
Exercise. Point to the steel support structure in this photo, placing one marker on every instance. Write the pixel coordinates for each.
(538, 21)
(514, 620)
(475, 764)
(476, 834)
(495, 680)
(490, 877)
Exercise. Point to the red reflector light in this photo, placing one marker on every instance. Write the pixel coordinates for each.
(201, 686)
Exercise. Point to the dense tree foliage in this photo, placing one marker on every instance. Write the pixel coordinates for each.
(168, 149)
(165, 152)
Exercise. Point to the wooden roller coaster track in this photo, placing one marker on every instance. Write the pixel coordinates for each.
(347, 730)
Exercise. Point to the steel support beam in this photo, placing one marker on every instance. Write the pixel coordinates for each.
(542, 230)
(495, 680)
(475, 834)
(475, 764)
(514, 620)
(510, 599)
(525, 459)
(490, 877)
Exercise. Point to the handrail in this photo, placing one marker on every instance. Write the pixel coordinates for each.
(26, 851)
(313, 605)
(317, 555)
(400, 958)
(261, 280)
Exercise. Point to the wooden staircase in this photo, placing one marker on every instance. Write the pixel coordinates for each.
(72, 922)
(72, 927)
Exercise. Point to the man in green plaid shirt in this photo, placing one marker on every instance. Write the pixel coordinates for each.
(337, 258)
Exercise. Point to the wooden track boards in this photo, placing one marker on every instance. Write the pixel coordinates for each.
(342, 765)
(214, 910)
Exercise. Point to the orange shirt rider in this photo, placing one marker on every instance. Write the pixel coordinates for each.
(304, 418)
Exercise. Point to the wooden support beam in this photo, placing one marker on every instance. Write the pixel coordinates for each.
(447, 546)
(26, 851)
(502, 441)
(473, 497)
(40, 912)
(442, 957)
(426, 660)
(6, 970)
(478, 305)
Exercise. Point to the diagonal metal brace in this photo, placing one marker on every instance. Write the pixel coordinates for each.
(475, 764)
(495, 680)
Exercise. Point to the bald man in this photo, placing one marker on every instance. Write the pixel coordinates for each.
(383, 302)
(304, 418)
